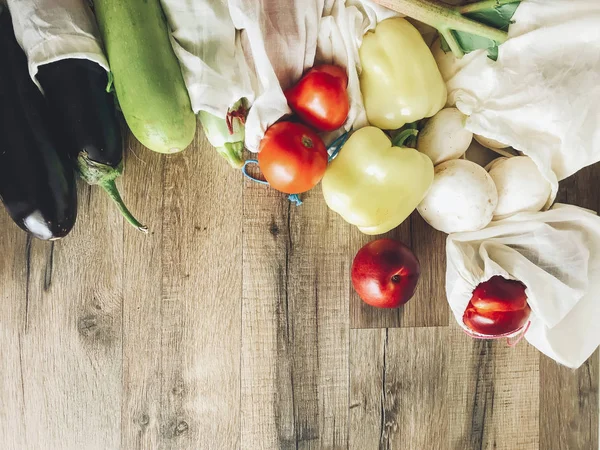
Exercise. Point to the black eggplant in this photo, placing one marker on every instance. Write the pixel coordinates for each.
(85, 113)
(37, 183)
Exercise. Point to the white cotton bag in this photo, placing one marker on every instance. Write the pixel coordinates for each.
(283, 39)
(556, 254)
(542, 95)
(53, 30)
(210, 54)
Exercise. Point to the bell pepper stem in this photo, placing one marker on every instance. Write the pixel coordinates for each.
(482, 5)
(400, 139)
(443, 18)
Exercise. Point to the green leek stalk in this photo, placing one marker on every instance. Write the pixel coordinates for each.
(448, 19)
(227, 135)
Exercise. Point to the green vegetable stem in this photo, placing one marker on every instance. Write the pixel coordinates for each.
(479, 25)
(103, 175)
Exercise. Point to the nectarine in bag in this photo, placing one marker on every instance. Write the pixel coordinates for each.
(542, 268)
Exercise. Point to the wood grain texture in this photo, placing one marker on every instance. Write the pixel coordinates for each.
(228, 326)
(569, 399)
(70, 334)
(295, 326)
(398, 391)
(428, 308)
(470, 394)
(15, 250)
(494, 390)
(190, 397)
(142, 298)
(202, 286)
(366, 387)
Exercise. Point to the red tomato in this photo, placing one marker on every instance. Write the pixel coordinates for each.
(292, 157)
(498, 307)
(320, 98)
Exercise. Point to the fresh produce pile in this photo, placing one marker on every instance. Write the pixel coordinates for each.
(411, 156)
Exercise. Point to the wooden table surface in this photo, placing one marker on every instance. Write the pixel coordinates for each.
(233, 324)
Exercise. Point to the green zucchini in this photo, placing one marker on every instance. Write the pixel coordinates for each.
(147, 78)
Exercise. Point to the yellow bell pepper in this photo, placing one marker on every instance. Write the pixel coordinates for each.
(375, 185)
(400, 80)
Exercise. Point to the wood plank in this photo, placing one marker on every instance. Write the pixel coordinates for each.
(189, 306)
(494, 393)
(399, 382)
(266, 391)
(429, 307)
(366, 381)
(71, 345)
(202, 286)
(569, 398)
(295, 323)
(319, 269)
(13, 280)
(142, 188)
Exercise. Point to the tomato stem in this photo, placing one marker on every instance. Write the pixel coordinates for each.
(307, 142)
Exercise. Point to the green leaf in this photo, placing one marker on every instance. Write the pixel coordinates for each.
(493, 53)
(444, 45)
(499, 17)
(470, 42)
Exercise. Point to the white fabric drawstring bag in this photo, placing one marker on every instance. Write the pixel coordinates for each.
(283, 39)
(556, 254)
(53, 30)
(542, 96)
(210, 54)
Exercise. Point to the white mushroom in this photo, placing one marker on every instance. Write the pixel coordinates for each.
(520, 184)
(490, 143)
(494, 163)
(448, 64)
(444, 136)
(462, 197)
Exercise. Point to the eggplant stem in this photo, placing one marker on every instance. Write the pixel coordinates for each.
(443, 18)
(111, 188)
(482, 5)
